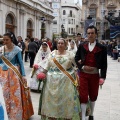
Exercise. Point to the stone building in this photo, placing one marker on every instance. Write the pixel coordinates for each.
(98, 9)
(32, 18)
(67, 17)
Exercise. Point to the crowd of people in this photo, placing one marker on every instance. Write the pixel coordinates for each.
(74, 69)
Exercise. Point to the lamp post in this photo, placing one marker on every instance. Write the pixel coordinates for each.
(43, 27)
(62, 31)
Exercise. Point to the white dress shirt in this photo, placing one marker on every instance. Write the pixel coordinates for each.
(91, 46)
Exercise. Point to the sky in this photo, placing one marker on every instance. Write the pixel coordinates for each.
(79, 1)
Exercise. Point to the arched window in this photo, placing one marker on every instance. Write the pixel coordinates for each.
(29, 29)
(10, 23)
(64, 12)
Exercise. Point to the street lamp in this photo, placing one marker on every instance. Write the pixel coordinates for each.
(43, 27)
(63, 31)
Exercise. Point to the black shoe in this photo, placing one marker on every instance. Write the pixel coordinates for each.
(91, 118)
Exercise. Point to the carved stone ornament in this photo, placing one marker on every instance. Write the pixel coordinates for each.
(84, 1)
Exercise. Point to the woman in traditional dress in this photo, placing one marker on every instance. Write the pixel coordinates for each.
(3, 113)
(9, 80)
(40, 61)
(72, 47)
(59, 99)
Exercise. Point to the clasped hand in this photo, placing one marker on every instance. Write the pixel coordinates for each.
(88, 68)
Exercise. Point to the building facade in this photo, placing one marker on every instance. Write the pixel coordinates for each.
(67, 17)
(26, 18)
(98, 9)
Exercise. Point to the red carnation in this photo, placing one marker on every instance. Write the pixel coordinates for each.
(35, 66)
(41, 76)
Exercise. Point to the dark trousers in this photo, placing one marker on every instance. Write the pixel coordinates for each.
(32, 58)
(26, 56)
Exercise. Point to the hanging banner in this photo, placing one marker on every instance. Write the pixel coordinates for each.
(114, 31)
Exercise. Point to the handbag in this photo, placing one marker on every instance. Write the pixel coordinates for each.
(25, 91)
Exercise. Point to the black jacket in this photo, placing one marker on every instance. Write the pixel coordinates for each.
(100, 57)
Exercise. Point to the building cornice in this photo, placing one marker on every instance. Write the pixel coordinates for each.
(36, 6)
(70, 6)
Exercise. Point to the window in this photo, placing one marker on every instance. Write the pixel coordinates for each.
(9, 19)
(71, 21)
(29, 28)
(92, 13)
(10, 23)
(63, 21)
(74, 21)
(68, 21)
(54, 30)
(70, 13)
(64, 12)
(55, 5)
(69, 30)
(55, 14)
(29, 24)
(55, 22)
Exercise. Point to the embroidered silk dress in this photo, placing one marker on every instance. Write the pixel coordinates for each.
(59, 98)
(11, 85)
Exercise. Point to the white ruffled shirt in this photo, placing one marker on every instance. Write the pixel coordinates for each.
(91, 46)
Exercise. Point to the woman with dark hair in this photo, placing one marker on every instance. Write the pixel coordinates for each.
(12, 80)
(14, 40)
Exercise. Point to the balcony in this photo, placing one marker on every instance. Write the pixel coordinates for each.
(71, 15)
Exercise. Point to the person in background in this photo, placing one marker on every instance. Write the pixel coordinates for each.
(9, 79)
(54, 44)
(91, 57)
(32, 49)
(49, 43)
(40, 60)
(37, 43)
(21, 44)
(78, 39)
(72, 47)
(27, 40)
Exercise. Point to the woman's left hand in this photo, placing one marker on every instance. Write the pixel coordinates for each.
(24, 79)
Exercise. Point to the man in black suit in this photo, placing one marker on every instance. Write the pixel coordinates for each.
(90, 58)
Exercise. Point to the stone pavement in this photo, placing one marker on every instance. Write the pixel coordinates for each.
(108, 103)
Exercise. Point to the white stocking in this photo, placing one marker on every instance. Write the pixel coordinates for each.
(92, 106)
(83, 108)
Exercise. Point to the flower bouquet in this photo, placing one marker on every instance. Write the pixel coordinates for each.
(40, 77)
(35, 67)
(101, 82)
